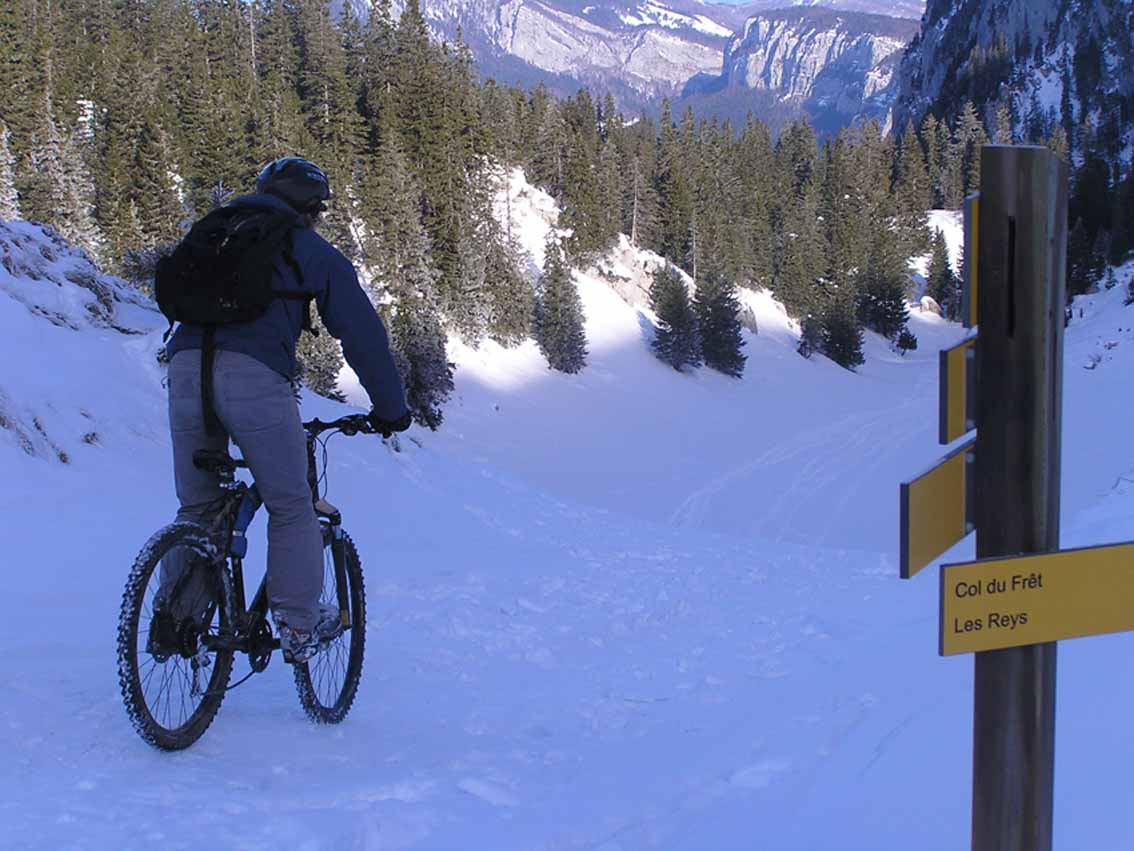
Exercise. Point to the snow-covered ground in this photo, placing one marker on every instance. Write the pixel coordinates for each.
(628, 609)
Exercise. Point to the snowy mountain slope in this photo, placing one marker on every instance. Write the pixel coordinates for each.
(1039, 57)
(553, 662)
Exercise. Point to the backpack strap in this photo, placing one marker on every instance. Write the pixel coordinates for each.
(213, 426)
(289, 258)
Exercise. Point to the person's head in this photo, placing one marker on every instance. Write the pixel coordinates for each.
(299, 182)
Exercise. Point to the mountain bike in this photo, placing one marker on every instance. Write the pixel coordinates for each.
(176, 644)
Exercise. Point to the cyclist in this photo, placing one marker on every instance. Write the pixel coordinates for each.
(253, 399)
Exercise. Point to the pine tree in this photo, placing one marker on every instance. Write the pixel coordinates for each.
(811, 336)
(513, 298)
(717, 309)
(77, 221)
(9, 199)
(677, 340)
(911, 190)
(933, 156)
(674, 193)
(801, 260)
(418, 336)
(1079, 260)
(970, 136)
(400, 256)
(842, 335)
(882, 293)
(559, 327)
(320, 360)
(941, 282)
(906, 342)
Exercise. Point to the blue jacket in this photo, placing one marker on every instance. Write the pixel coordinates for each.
(343, 306)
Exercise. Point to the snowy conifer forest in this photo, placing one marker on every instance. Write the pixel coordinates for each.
(631, 576)
(125, 122)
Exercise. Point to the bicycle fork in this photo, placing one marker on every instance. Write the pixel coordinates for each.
(333, 530)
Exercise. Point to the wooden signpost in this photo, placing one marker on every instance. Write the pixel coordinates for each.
(969, 293)
(1023, 593)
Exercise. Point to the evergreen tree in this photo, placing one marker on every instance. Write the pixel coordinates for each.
(969, 138)
(76, 220)
(677, 340)
(933, 160)
(1079, 260)
(674, 193)
(42, 176)
(513, 299)
(811, 336)
(419, 348)
(559, 327)
(882, 294)
(717, 309)
(801, 260)
(906, 342)
(418, 336)
(942, 283)
(1005, 131)
(400, 255)
(842, 335)
(9, 199)
(320, 359)
(911, 191)
(582, 197)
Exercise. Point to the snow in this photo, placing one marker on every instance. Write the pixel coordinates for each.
(656, 14)
(626, 609)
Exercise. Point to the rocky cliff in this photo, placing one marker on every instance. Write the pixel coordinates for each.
(832, 66)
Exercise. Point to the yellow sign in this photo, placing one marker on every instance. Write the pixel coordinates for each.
(936, 510)
(958, 391)
(1011, 602)
(972, 239)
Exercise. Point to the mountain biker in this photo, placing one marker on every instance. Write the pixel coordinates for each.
(254, 401)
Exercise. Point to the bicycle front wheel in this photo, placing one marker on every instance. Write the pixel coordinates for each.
(178, 595)
(328, 681)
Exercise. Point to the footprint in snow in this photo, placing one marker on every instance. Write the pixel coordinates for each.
(761, 774)
(488, 792)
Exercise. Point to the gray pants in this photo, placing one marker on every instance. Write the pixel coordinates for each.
(257, 409)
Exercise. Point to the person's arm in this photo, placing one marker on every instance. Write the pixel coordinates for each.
(350, 317)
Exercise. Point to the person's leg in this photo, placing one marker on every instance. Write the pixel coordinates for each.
(258, 408)
(197, 490)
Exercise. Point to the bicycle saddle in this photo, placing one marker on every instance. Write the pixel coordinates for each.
(215, 462)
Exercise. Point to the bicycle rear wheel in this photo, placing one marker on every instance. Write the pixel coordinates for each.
(328, 681)
(171, 683)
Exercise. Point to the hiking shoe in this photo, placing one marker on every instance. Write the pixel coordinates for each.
(298, 646)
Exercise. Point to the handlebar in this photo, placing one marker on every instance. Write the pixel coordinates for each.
(352, 424)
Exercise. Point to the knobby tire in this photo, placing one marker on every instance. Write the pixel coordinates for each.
(314, 677)
(130, 677)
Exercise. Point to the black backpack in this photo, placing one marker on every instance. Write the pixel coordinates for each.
(221, 272)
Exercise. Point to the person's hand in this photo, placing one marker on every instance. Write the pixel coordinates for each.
(388, 427)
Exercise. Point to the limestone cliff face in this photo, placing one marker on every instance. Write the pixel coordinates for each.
(833, 66)
(639, 51)
(839, 62)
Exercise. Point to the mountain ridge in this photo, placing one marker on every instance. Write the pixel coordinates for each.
(640, 51)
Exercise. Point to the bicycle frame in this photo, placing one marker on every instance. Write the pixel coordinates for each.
(232, 523)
